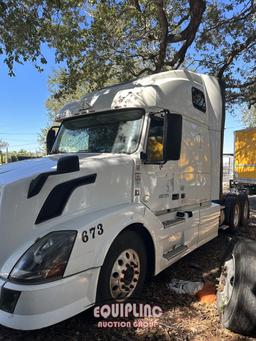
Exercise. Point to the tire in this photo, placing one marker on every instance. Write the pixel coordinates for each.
(236, 297)
(123, 273)
(232, 212)
(244, 209)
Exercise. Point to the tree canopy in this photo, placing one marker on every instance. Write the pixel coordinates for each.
(108, 41)
(249, 117)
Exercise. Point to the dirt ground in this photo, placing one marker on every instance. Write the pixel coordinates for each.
(184, 318)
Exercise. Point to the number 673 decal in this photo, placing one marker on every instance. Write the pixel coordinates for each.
(92, 233)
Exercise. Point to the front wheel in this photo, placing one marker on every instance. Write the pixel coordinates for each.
(123, 272)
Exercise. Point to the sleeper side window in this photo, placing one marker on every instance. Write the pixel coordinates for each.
(155, 139)
(198, 99)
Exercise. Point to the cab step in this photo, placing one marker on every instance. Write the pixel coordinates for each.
(172, 222)
(170, 254)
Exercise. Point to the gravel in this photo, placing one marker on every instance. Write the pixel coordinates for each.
(184, 318)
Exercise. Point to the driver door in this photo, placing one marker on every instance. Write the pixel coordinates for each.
(158, 179)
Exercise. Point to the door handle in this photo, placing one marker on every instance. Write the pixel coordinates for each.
(189, 213)
(185, 214)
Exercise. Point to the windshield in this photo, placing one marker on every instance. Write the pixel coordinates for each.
(110, 132)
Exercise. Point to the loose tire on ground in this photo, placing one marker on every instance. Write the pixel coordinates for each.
(232, 212)
(124, 269)
(236, 297)
(244, 208)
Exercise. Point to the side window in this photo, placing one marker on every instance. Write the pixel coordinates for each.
(198, 99)
(155, 140)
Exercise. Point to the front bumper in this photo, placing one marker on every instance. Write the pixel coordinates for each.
(41, 305)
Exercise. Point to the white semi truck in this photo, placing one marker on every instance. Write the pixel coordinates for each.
(131, 183)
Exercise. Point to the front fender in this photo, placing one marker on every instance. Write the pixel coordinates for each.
(90, 251)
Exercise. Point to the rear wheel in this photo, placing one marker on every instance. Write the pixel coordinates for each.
(124, 270)
(245, 208)
(236, 298)
(232, 212)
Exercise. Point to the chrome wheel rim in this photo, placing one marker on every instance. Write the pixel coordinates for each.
(236, 216)
(226, 285)
(125, 275)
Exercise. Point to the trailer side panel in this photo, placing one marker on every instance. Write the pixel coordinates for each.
(245, 155)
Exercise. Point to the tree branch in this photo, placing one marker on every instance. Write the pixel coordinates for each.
(247, 12)
(136, 4)
(181, 21)
(163, 23)
(235, 52)
(197, 8)
(240, 85)
(147, 69)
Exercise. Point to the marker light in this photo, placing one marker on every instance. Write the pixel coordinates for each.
(63, 114)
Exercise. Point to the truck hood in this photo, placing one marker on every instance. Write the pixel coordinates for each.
(111, 185)
(16, 171)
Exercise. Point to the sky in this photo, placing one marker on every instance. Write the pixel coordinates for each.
(23, 113)
(22, 98)
(233, 123)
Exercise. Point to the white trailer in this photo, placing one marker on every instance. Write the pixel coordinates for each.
(131, 184)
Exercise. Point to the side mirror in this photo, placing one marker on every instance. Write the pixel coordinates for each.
(50, 138)
(173, 137)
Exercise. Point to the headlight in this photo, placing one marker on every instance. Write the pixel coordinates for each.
(46, 260)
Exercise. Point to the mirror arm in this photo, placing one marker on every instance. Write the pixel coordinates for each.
(143, 156)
